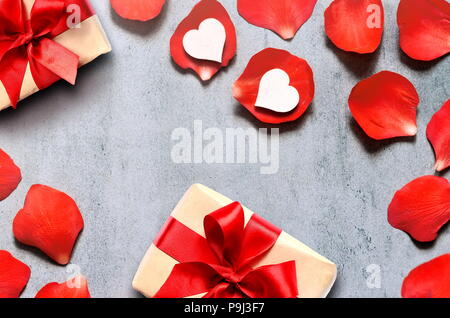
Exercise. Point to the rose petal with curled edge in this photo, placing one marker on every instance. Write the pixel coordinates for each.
(77, 287)
(424, 28)
(355, 25)
(284, 17)
(438, 133)
(429, 280)
(140, 10)
(205, 9)
(51, 221)
(421, 208)
(14, 275)
(10, 175)
(246, 87)
(385, 106)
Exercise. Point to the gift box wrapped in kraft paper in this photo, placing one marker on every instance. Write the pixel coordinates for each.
(214, 247)
(43, 41)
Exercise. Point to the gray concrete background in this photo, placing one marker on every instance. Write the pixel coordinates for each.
(106, 142)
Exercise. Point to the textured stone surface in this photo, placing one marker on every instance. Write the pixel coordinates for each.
(106, 142)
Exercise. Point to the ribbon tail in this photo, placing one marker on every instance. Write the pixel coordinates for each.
(13, 66)
(271, 281)
(50, 61)
(189, 279)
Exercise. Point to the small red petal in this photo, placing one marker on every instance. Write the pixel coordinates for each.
(385, 106)
(246, 88)
(421, 208)
(51, 221)
(438, 133)
(429, 280)
(10, 175)
(424, 28)
(205, 9)
(284, 17)
(74, 288)
(140, 10)
(355, 25)
(14, 275)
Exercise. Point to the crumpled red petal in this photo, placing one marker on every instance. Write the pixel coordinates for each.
(421, 208)
(355, 25)
(51, 221)
(385, 106)
(284, 17)
(424, 28)
(429, 280)
(203, 10)
(10, 175)
(246, 87)
(140, 10)
(77, 287)
(14, 275)
(438, 133)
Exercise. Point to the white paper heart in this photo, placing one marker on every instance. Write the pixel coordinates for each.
(275, 93)
(206, 43)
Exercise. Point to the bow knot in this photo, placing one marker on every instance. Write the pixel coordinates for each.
(229, 275)
(223, 264)
(26, 42)
(27, 37)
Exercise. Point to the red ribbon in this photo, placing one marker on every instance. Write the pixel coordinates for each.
(24, 41)
(221, 264)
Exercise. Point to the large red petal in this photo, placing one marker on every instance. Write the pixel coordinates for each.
(74, 288)
(51, 221)
(421, 208)
(438, 133)
(203, 10)
(429, 280)
(355, 25)
(246, 88)
(14, 275)
(285, 17)
(141, 10)
(385, 106)
(424, 28)
(10, 175)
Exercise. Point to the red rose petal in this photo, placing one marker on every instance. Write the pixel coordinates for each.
(355, 25)
(246, 88)
(385, 106)
(438, 133)
(284, 17)
(421, 208)
(14, 275)
(203, 10)
(429, 280)
(140, 10)
(10, 175)
(74, 288)
(51, 221)
(424, 28)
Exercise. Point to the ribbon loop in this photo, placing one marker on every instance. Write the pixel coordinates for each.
(230, 272)
(224, 229)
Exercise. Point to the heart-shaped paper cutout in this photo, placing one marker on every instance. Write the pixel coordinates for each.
(275, 93)
(206, 43)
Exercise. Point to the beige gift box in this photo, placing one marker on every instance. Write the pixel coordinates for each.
(315, 274)
(88, 41)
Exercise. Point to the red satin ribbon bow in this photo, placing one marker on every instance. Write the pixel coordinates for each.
(24, 41)
(221, 264)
